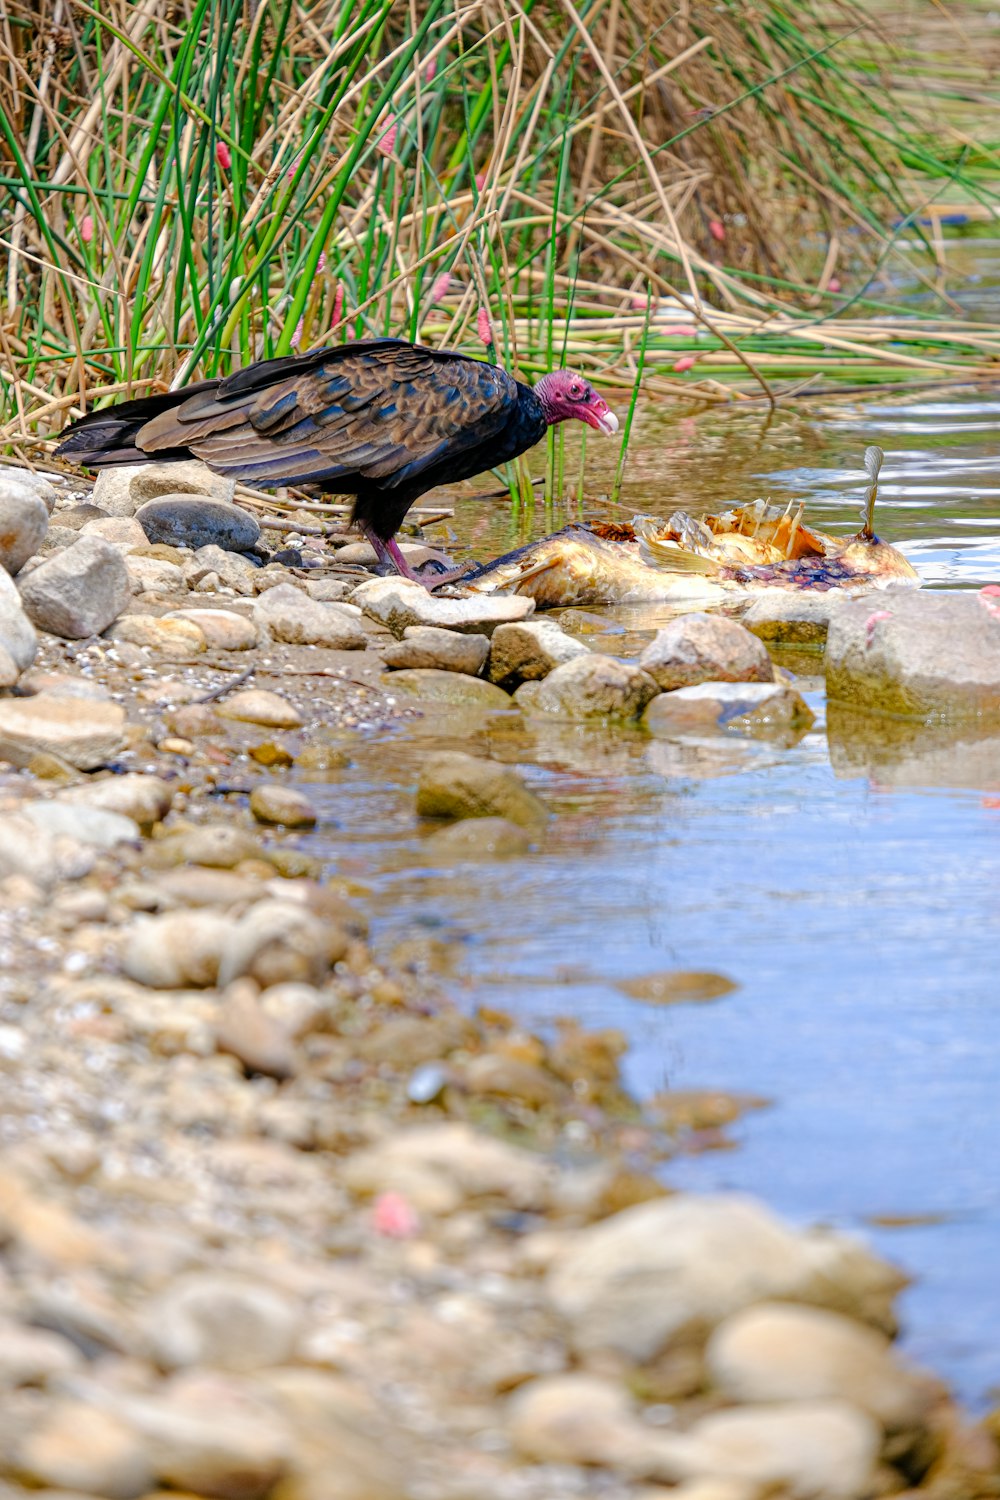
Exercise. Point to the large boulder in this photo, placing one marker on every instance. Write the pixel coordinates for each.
(637, 1280)
(918, 655)
(705, 648)
(80, 591)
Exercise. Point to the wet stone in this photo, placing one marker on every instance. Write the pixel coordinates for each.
(478, 838)
(446, 650)
(433, 686)
(591, 687)
(759, 708)
(529, 651)
(24, 520)
(78, 592)
(792, 619)
(455, 785)
(196, 521)
(258, 706)
(705, 648)
(271, 803)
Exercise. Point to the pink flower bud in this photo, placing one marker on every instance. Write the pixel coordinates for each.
(484, 327)
(321, 263)
(833, 285)
(297, 335)
(480, 181)
(87, 229)
(440, 287)
(717, 230)
(684, 363)
(394, 1216)
(223, 155)
(385, 142)
(430, 70)
(338, 305)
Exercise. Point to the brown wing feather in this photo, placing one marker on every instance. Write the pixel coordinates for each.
(382, 410)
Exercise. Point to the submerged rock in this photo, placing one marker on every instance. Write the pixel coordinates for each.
(589, 687)
(529, 651)
(918, 655)
(195, 521)
(478, 838)
(705, 648)
(785, 618)
(79, 591)
(760, 708)
(448, 688)
(455, 785)
(425, 646)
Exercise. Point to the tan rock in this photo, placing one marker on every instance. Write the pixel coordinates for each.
(705, 648)
(246, 1031)
(257, 706)
(592, 687)
(177, 639)
(223, 1320)
(223, 629)
(455, 785)
(272, 803)
(79, 1447)
(85, 734)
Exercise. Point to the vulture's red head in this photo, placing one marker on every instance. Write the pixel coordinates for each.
(565, 394)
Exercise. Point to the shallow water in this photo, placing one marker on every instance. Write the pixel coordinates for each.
(851, 896)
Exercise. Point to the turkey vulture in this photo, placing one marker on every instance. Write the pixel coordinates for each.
(381, 420)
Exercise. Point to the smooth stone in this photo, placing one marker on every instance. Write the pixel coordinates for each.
(455, 785)
(203, 886)
(258, 706)
(443, 650)
(478, 838)
(246, 1031)
(14, 478)
(297, 1008)
(287, 614)
(77, 1446)
(177, 950)
(810, 1450)
(85, 734)
(220, 846)
(396, 603)
(582, 1419)
(27, 851)
(212, 568)
(9, 669)
(271, 803)
(705, 648)
(277, 941)
(634, 1281)
(226, 1321)
(329, 590)
(759, 708)
(448, 689)
(64, 685)
(123, 532)
(24, 520)
(591, 687)
(223, 629)
(80, 591)
(17, 634)
(917, 655)
(780, 1352)
(439, 1167)
(87, 825)
(145, 799)
(77, 516)
(176, 639)
(677, 986)
(529, 651)
(196, 521)
(154, 575)
(120, 490)
(792, 619)
(33, 1356)
(345, 1447)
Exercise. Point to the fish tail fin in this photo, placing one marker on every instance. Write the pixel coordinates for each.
(670, 556)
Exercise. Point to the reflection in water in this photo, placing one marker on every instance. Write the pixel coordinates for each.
(857, 911)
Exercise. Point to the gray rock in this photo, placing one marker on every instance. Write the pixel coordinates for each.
(155, 575)
(793, 619)
(478, 838)
(455, 785)
(212, 568)
(529, 651)
(288, 614)
(75, 517)
(123, 532)
(17, 634)
(917, 655)
(195, 521)
(705, 648)
(632, 1282)
(437, 688)
(444, 650)
(440, 1167)
(276, 942)
(14, 479)
(9, 669)
(226, 1321)
(44, 858)
(24, 520)
(397, 603)
(780, 1352)
(31, 1356)
(143, 799)
(80, 591)
(329, 590)
(84, 733)
(590, 687)
(122, 489)
(758, 708)
(87, 825)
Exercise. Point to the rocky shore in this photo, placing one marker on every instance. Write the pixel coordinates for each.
(277, 1220)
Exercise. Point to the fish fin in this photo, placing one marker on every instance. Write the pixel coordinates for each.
(672, 558)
